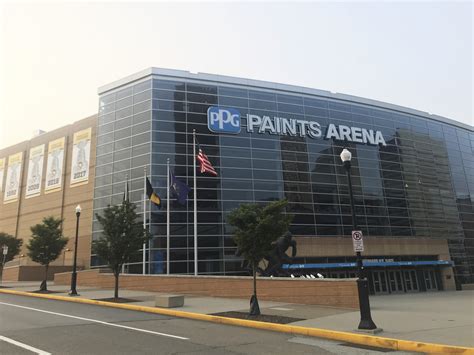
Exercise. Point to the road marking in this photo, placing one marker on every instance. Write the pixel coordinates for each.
(96, 321)
(24, 346)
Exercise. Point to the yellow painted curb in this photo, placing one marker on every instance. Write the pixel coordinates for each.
(370, 340)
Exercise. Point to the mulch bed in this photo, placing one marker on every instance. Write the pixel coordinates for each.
(261, 318)
(117, 300)
(5, 286)
(367, 347)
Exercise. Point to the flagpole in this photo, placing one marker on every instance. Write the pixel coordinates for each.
(195, 205)
(168, 217)
(149, 256)
(125, 197)
(144, 219)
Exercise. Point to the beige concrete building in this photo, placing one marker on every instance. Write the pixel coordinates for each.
(46, 189)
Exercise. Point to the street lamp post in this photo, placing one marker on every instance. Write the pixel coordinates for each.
(73, 291)
(4, 252)
(366, 321)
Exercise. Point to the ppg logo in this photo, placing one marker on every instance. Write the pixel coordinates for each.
(223, 120)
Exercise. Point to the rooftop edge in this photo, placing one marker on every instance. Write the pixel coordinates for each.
(224, 79)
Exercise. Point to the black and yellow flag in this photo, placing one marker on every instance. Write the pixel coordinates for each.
(152, 195)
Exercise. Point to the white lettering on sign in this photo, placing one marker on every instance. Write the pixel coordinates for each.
(293, 127)
(283, 126)
(224, 116)
(227, 120)
(354, 134)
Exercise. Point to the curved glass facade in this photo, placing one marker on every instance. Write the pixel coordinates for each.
(420, 184)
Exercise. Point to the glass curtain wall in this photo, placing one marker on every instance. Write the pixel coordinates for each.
(123, 152)
(421, 184)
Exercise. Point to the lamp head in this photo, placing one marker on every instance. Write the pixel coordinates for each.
(346, 155)
(78, 209)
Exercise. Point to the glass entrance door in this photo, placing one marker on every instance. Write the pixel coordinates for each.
(379, 282)
(395, 281)
(430, 280)
(411, 281)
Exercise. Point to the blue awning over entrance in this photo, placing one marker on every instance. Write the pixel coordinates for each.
(367, 264)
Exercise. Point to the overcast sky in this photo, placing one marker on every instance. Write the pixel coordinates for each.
(54, 56)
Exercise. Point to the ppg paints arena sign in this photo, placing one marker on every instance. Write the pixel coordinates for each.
(227, 120)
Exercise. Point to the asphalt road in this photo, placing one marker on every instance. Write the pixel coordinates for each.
(31, 325)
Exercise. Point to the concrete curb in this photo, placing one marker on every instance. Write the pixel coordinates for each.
(369, 340)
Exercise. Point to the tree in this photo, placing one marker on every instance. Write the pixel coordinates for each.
(257, 227)
(13, 244)
(122, 237)
(46, 244)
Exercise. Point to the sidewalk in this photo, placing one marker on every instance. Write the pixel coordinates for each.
(438, 317)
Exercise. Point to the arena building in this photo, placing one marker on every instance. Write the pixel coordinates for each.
(413, 176)
(49, 175)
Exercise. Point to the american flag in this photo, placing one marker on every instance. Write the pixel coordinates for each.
(206, 166)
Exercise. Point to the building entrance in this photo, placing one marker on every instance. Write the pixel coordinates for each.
(411, 281)
(384, 276)
(380, 282)
(430, 280)
(399, 281)
(395, 280)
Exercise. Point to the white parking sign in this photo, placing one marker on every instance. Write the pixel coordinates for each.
(357, 241)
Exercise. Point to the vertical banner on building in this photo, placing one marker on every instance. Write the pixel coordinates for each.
(81, 151)
(2, 170)
(35, 171)
(54, 169)
(12, 186)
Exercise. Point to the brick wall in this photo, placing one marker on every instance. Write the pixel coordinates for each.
(326, 292)
(31, 273)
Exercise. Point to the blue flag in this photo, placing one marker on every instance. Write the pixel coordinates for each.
(179, 190)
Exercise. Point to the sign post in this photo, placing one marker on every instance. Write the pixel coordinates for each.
(5, 252)
(357, 241)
